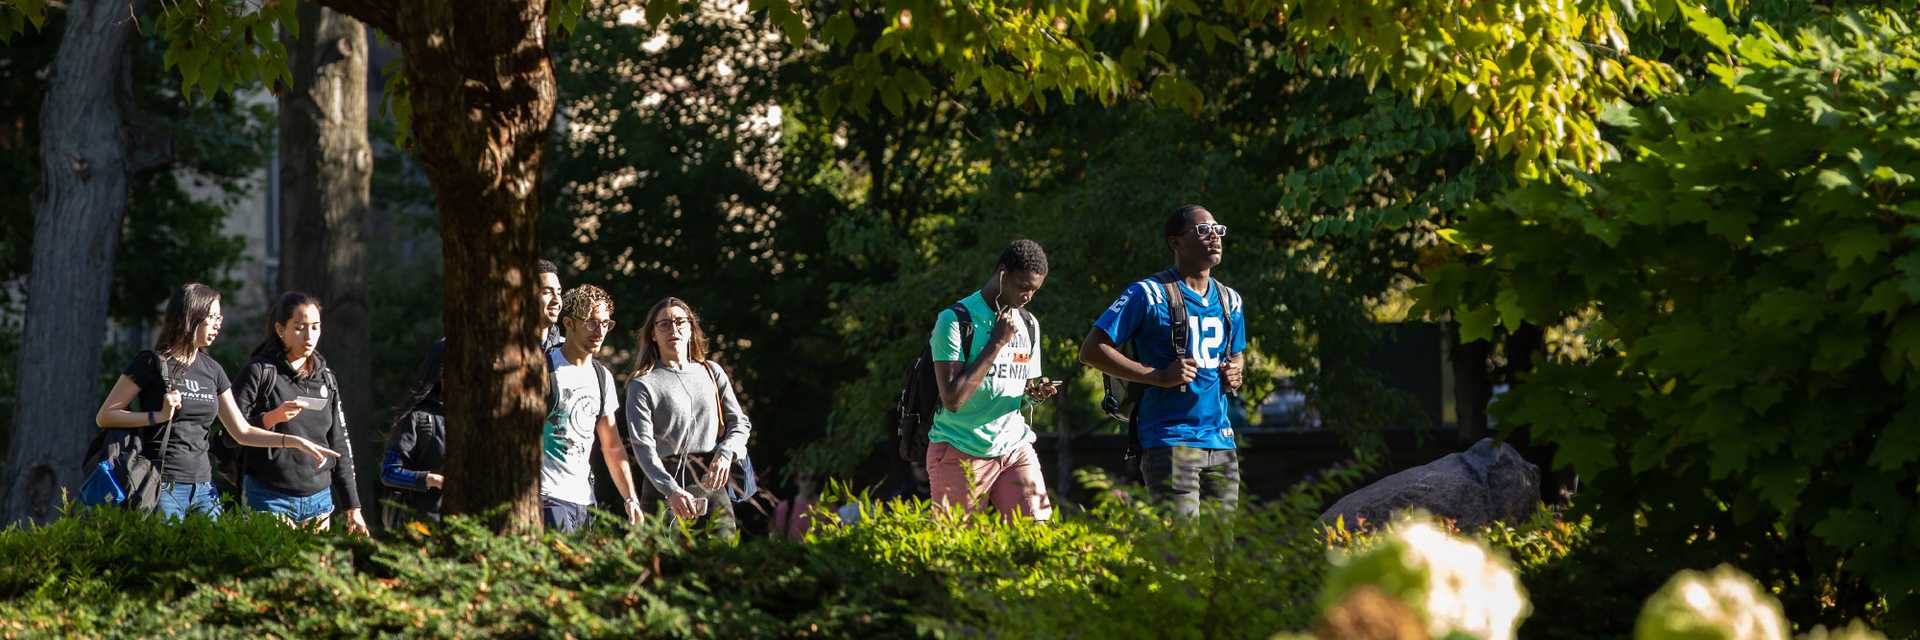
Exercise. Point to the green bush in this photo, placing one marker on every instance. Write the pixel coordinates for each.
(1120, 570)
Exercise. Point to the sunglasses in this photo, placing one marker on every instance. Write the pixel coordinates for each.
(1205, 230)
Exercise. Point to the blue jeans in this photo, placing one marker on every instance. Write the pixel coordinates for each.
(177, 499)
(295, 508)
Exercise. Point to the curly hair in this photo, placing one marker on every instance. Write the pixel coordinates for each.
(578, 303)
(1025, 256)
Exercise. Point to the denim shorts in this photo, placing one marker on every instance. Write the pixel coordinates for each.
(296, 508)
(177, 499)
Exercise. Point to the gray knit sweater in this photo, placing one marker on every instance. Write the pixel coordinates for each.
(672, 412)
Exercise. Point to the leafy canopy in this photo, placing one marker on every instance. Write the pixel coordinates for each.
(1753, 260)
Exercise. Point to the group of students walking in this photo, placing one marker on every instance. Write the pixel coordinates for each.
(1172, 341)
(684, 426)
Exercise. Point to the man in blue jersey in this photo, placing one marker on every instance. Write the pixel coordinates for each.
(1181, 418)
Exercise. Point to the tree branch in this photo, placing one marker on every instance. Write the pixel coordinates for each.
(149, 141)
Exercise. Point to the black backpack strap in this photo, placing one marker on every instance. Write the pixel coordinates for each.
(1176, 311)
(553, 386)
(262, 375)
(1033, 332)
(965, 320)
(606, 381)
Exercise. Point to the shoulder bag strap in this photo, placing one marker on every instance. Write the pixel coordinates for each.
(166, 386)
(749, 485)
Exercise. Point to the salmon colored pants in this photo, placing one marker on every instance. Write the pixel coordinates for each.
(1012, 482)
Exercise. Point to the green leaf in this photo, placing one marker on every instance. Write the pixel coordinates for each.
(890, 98)
(1707, 27)
(1856, 243)
(1830, 179)
(1899, 442)
(1903, 348)
(1840, 349)
(1511, 314)
(1886, 297)
(839, 30)
(1475, 324)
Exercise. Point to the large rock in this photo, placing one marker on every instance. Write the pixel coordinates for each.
(1487, 482)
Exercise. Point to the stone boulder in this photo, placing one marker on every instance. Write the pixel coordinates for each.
(1487, 482)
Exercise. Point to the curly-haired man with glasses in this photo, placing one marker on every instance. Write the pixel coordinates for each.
(582, 404)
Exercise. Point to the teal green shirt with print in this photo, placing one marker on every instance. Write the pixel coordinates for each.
(990, 424)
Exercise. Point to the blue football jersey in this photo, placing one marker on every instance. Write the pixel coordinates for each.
(1216, 329)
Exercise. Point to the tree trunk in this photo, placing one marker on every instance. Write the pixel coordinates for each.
(326, 167)
(1524, 347)
(482, 94)
(77, 218)
(1472, 385)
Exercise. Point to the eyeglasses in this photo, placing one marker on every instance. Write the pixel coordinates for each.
(664, 323)
(216, 318)
(604, 325)
(1205, 230)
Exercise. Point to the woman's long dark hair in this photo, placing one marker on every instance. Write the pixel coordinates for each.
(272, 348)
(187, 309)
(649, 354)
(426, 385)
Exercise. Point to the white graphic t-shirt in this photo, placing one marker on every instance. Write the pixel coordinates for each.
(568, 439)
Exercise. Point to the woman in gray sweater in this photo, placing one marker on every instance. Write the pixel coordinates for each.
(683, 420)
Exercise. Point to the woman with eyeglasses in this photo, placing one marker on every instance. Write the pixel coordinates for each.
(180, 391)
(683, 420)
(288, 388)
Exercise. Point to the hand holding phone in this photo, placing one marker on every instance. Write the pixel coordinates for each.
(311, 403)
(1042, 389)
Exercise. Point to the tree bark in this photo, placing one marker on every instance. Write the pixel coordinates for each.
(483, 93)
(78, 211)
(326, 167)
(1472, 385)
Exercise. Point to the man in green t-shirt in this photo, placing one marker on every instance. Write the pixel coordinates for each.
(982, 448)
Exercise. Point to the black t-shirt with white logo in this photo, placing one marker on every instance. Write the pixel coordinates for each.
(200, 385)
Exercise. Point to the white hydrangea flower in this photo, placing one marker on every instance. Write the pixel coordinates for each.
(1459, 585)
(1726, 604)
(1856, 630)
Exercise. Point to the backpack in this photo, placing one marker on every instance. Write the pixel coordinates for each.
(919, 397)
(116, 471)
(1122, 399)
